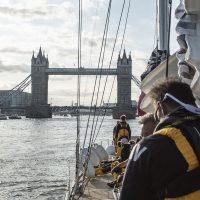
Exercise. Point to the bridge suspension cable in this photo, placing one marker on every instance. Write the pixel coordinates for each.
(17, 89)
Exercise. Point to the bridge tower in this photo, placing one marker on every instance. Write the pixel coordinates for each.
(39, 92)
(124, 75)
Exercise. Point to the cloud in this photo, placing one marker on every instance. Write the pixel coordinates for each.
(14, 68)
(96, 18)
(15, 50)
(21, 12)
(36, 9)
(88, 4)
(25, 25)
(66, 51)
(89, 41)
(68, 93)
(6, 86)
(46, 15)
(64, 92)
(59, 78)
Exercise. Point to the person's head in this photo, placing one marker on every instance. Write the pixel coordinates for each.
(170, 94)
(148, 124)
(123, 118)
(124, 141)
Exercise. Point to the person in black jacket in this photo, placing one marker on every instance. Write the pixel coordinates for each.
(171, 153)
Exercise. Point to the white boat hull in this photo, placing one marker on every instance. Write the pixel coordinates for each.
(153, 77)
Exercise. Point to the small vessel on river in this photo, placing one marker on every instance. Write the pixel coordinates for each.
(3, 116)
(14, 116)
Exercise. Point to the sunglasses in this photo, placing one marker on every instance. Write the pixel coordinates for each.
(188, 107)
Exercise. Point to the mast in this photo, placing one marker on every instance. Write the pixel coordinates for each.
(163, 24)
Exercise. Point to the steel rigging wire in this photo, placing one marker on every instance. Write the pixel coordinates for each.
(102, 48)
(114, 76)
(98, 88)
(102, 44)
(168, 40)
(92, 129)
(90, 59)
(76, 186)
(92, 132)
(101, 60)
(129, 5)
(128, 10)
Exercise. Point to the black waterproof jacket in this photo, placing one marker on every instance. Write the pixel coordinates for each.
(155, 161)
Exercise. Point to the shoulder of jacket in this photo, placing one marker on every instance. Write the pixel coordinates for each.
(154, 141)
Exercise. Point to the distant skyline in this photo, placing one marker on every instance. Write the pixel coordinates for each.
(52, 24)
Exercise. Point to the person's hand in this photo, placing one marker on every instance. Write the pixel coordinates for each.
(116, 169)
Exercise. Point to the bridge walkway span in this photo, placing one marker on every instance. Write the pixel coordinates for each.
(81, 71)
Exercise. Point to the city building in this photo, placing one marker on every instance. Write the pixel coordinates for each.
(11, 99)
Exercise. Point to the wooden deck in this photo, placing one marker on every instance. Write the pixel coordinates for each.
(97, 189)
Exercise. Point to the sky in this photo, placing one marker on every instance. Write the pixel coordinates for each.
(52, 24)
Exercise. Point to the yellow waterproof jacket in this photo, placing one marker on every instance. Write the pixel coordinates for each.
(122, 131)
(187, 152)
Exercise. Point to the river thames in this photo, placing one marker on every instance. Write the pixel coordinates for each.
(35, 155)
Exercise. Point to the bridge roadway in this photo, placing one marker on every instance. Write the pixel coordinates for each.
(54, 108)
(13, 107)
(82, 71)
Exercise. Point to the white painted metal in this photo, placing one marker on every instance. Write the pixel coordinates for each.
(163, 16)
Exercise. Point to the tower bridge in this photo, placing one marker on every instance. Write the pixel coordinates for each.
(81, 71)
(40, 72)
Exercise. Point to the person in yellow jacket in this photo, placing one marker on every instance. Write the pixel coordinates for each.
(173, 151)
(148, 123)
(121, 131)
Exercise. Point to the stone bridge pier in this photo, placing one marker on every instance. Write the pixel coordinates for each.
(39, 91)
(124, 75)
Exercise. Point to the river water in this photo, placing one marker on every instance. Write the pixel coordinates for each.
(35, 155)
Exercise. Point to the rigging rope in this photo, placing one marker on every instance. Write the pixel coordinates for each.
(90, 60)
(92, 134)
(102, 43)
(110, 65)
(136, 81)
(102, 48)
(99, 83)
(76, 186)
(129, 4)
(168, 40)
(93, 130)
(94, 137)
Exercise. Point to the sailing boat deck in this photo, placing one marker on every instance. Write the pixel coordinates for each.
(97, 189)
